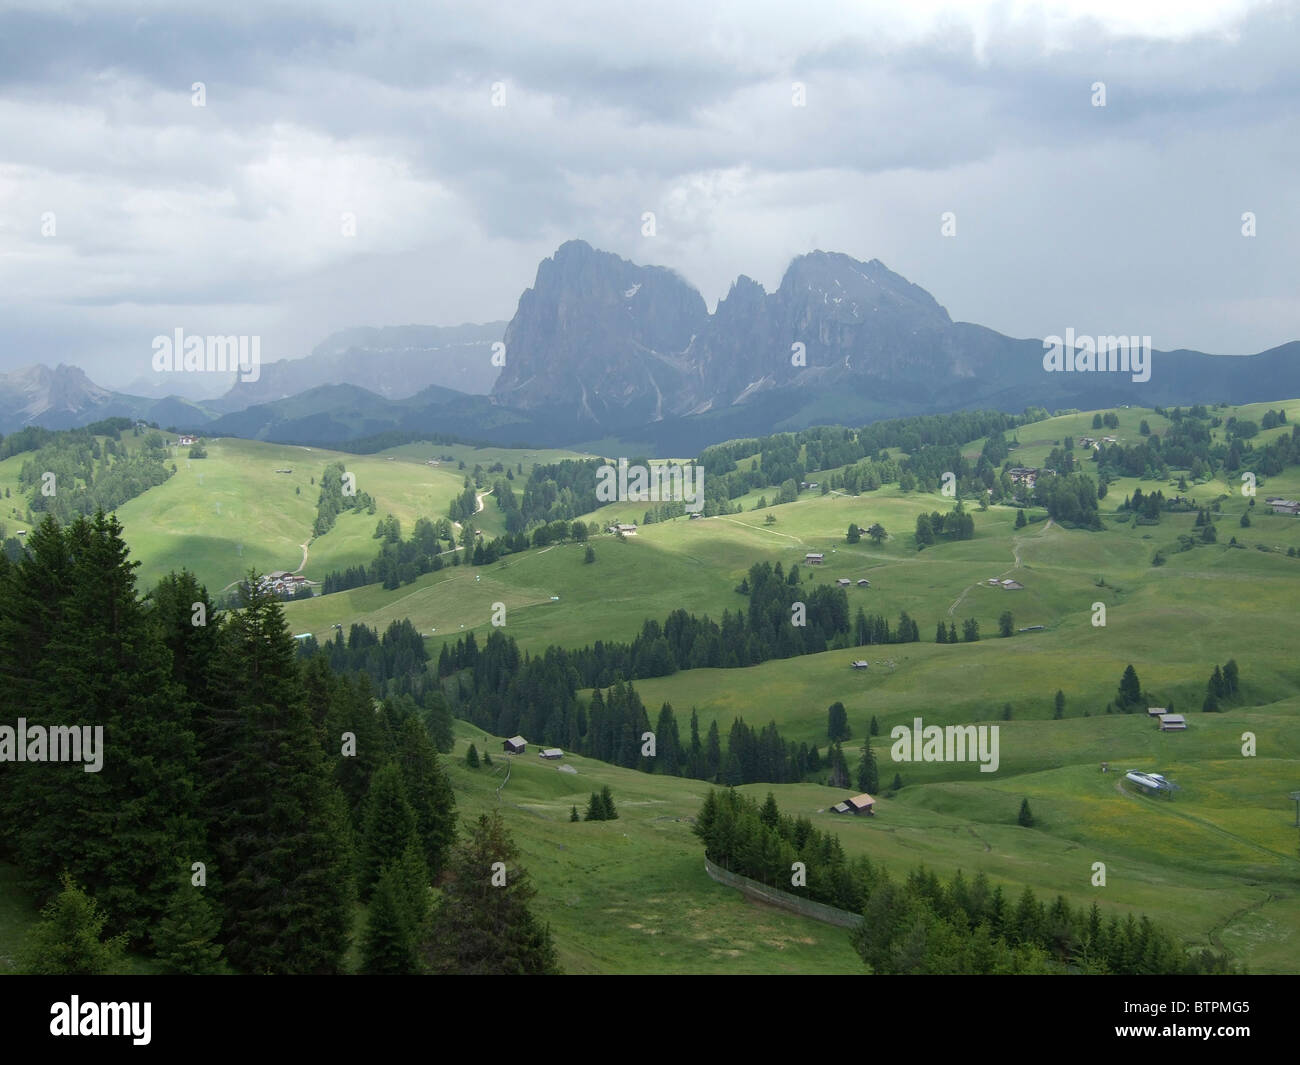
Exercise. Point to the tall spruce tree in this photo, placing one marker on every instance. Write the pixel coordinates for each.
(283, 840)
(389, 827)
(607, 804)
(429, 792)
(1130, 688)
(185, 941)
(389, 946)
(868, 773)
(485, 928)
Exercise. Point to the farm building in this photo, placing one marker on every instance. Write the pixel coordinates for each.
(1157, 711)
(859, 804)
(626, 530)
(1286, 506)
(1172, 722)
(185, 441)
(1011, 585)
(864, 583)
(551, 752)
(814, 558)
(843, 582)
(515, 745)
(861, 665)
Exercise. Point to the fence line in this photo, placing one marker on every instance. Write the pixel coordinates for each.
(818, 911)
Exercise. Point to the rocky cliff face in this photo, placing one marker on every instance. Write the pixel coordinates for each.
(55, 397)
(601, 338)
(615, 344)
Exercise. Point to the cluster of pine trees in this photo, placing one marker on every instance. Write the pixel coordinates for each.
(1223, 684)
(465, 505)
(243, 800)
(600, 807)
(88, 475)
(923, 925)
(393, 666)
(1070, 499)
(332, 502)
(956, 525)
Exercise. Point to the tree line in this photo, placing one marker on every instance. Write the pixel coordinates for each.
(924, 925)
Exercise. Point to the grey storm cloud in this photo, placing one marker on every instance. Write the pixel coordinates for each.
(226, 218)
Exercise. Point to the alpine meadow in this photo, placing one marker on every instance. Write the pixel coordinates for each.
(491, 491)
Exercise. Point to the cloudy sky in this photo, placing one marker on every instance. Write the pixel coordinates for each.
(469, 140)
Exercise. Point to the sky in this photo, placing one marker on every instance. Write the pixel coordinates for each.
(285, 170)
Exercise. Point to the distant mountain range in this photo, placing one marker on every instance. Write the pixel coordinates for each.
(394, 362)
(600, 347)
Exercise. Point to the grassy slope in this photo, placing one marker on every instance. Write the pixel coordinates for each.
(1218, 863)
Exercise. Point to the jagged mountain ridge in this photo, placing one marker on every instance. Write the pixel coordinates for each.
(612, 343)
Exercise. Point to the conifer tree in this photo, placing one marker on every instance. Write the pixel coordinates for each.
(389, 946)
(607, 804)
(68, 939)
(185, 940)
(485, 928)
(868, 774)
(595, 808)
(389, 827)
(282, 836)
(874, 730)
(839, 777)
(1231, 677)
(837, 722)
(1130, 688)
(429, 792)
(471, 757)
(1025, 818)
(573, 814)
(1058, 703)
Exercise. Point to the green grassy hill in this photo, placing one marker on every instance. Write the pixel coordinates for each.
(1218, 863)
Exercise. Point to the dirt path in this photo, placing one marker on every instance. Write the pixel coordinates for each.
(761, 528)
(303, 564)
(1016, 544)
